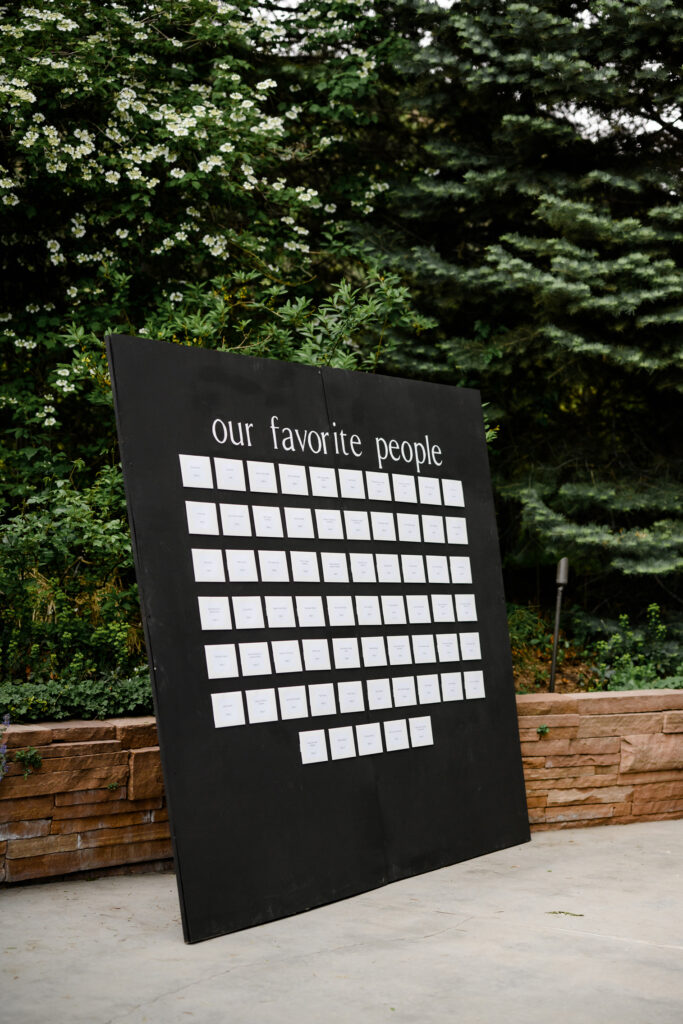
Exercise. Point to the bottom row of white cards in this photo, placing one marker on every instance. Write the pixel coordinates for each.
(347, 741)
(347, 697)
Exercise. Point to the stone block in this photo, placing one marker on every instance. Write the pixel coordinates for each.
(585, 760)
(554, 733)
(25, 829)
(90, 796)
(631, 818)
(533, 762)
(673, 721)
(29, 807)
(79, 749)
(79, 731)
(546, 703)
(629, 701)
(42, 782)
(596, 745)
(621, 808)
(582, 782)
(658, 790)
(567, 721)
(70, 764)
(656, 806)
(146, 779)
(563, 772)
(651, 753)
(64, 826)
(636, 778)
(124, 836)
(550, 746)
(27, 736)
(579, 812)
(536, 800)
(620, 725)
(115, 808)
(134, 733)
(41, 846)
(46, 866)
(603, 795)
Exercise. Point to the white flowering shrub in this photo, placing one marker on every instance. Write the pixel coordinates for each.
(178, 170)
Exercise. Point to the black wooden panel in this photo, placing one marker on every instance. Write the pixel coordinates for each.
(259, 831)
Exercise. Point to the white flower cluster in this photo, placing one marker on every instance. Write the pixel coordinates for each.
(164, 133)
(62, 382)
(61, 23)
(307, 195)
(208, 164)
(216, 244)
(250, 180)
(56, 256)
(78, 225)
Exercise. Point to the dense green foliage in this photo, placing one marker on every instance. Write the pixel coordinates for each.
(484, 193)
(539, 219)
(155, 180)
(640, 659)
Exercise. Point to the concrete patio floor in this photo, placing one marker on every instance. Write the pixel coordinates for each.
(584, 926)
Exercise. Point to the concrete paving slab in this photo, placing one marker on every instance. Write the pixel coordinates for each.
(584, 925)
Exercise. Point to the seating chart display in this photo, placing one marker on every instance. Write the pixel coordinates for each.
(322, 599)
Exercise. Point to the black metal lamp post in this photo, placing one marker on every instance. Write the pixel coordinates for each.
(561, 579)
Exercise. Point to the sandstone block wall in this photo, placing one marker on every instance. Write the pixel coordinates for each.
(605, 759)
(97, 803)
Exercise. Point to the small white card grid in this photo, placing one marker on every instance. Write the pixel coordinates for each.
(323, 523)
(320, 699)
(325, 481)
(340, 566)
(371, 738)
(365, 610)
(332, 567)
(317, 655)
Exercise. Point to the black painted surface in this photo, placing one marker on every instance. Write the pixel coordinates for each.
(257, 834)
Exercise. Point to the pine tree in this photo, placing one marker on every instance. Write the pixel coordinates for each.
(535, 209)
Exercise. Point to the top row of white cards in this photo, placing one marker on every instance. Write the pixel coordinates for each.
(325, 481)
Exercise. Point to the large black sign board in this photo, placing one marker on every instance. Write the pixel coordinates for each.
(321, 590)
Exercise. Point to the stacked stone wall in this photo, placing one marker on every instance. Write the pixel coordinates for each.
(602, 758)
(96, 803)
